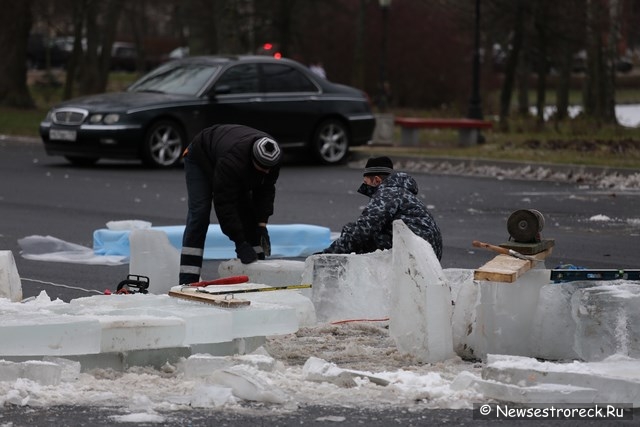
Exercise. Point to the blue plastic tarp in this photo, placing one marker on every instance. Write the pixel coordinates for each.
(287, 240)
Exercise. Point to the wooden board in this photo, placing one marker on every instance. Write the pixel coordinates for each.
(506, 268)
(219, 300)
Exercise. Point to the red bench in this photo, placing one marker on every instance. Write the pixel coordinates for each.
(468, 129)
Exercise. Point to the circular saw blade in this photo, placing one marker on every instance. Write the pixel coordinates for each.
(525, 225)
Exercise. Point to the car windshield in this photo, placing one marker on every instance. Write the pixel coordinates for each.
(184, 79)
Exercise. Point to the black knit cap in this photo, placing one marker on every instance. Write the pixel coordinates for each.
(266, 152)
(378, 166)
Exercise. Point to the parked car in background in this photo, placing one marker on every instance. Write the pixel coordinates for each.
(158, 115)
(43, 52)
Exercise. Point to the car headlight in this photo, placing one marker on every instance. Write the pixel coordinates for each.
(107, 119)
(110, 119)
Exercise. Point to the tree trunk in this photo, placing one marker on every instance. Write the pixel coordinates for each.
(77, 53)
(599, 93)
(511, 66)
(542, 64)
(358, 70)
(97, 57)
(15, 25)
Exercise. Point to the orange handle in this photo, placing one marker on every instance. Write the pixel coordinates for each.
(494, 248)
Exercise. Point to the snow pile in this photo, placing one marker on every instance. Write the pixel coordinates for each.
(384, 378)
(611, 180)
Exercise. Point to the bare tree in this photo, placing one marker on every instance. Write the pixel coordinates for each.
(15, 25)
(599, 94)
(511, 66)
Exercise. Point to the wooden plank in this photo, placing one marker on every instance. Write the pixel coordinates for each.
(503, 268)
(218, 300)
(507, 268)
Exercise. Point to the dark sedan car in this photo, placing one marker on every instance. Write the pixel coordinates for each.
(158, 115)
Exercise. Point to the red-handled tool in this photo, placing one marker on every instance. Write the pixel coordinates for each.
(504, 251)
(232, 280)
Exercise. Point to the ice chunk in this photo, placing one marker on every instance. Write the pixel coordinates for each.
(421, 312)
(152, 255)
(207, 396)
(272, 272)
(607, 316)
(10, 284)
(129, 224)
(247, 383)
(44, 373)
(69, 369)
(203, 365)
(316, 369)
(350, 286)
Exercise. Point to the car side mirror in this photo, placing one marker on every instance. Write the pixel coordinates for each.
(221, 90)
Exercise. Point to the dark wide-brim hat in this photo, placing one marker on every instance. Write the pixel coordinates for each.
(378, 166)
(266, 152)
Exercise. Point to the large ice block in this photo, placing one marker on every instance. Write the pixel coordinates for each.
(10, 285)
(305, 311)
(614, 380)
(152, 255)
(349, 287)
(420, 321)
(607, 318)
(111, 324)
(287, 240)
(553, 329)
(264, 319)
(136, 332)
(44, 373)
(506, 314)
(32, 333)
(464, 293)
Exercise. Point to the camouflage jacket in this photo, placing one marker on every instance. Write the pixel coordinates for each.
(395, 198)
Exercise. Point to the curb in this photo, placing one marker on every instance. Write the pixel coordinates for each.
(415, 156)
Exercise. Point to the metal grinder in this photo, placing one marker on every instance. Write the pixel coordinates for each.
(525, 226)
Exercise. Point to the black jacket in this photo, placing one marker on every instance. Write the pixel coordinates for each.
(224, 152)
(395, 198)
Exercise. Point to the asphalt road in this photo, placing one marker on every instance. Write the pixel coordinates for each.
(41, 195)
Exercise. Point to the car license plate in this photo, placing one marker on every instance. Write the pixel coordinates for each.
(62, 135)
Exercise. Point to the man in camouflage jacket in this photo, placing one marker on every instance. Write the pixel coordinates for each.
(394, 195)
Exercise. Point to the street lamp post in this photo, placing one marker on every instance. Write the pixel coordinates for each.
(382, 85)
(475, 103)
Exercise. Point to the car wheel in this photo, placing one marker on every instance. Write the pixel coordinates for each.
(162, 146)
(82, 161)
(330, 143)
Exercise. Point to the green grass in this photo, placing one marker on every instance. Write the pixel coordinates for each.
(20, 122)
(577, 141)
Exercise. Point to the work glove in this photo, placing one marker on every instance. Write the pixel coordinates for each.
(246, 253)
(263, 240)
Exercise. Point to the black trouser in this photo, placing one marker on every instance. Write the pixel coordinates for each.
(200, 198)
